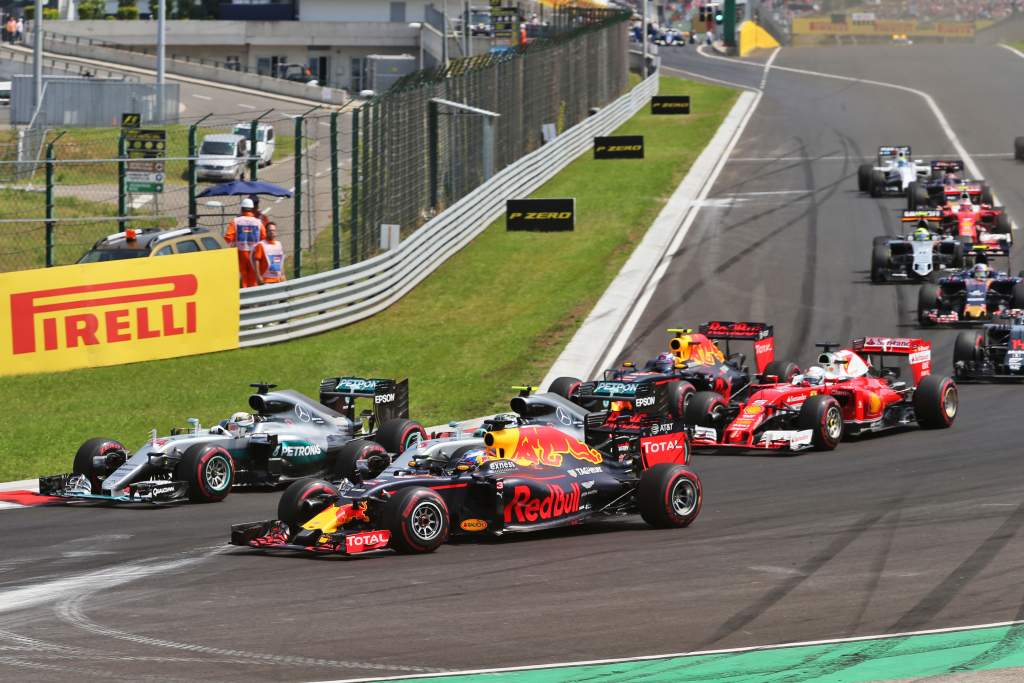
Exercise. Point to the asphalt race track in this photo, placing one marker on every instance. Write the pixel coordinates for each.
(897, 533)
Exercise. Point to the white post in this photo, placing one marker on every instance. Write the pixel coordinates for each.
(37, 52)
(161, 46)
(643, 39)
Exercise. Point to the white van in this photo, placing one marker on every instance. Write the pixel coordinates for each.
(264, 140)
(222, 157)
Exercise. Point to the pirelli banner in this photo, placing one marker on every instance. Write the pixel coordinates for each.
(118, 312)
(826, 26)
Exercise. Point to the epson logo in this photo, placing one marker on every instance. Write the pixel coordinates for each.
(645, 401)
(384, 398)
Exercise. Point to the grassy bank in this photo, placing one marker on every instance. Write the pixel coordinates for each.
(496, 314)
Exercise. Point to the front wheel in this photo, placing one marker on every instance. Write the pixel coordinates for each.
(669, 496)
(113, 452)
(821, 414)
(880, 262)
(1018, 148)
(877, 186)
(304, 499)
(864, 177)
(936, 402)
(418, 520)
(927, 300)
(209, 471)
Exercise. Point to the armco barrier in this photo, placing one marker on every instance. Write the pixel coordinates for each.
(316, 303)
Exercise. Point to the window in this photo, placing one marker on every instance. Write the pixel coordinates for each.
(210, 243)
(358, 73)
(233, 62)
(270, 135)
(213, 148)
(398, 11)
(187, 246)
(164, 251)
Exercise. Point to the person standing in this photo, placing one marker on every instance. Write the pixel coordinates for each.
(244, 232)
(268, 258)
(10, 28)
(19, 30)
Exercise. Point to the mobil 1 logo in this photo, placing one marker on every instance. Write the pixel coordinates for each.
(670, 104)
(540, 215)
(619, 147)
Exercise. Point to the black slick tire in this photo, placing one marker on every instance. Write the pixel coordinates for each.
(784, 370)
(418, 520)
(292, 508)
(936, 402)
(346, 464)
(669, 496)
(1017, 296)
(966, 346)
(1018, 148)
(87, 451)
(209, 471)
(1002, 225)
(566, 387)
(986, 195)
(877, 186)
(917, 196)
(864, 177)
(927, 299)
(822, 415)
(679, 395)
(705, 409)
(398, 434)
(880, 262)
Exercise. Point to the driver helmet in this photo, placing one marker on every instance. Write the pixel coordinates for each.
(922, 233)
(664, 362)
(965, 197)
(241, 421)
(980, 271)
(815, 375)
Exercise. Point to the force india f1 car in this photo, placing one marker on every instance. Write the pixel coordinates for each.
(694, 362)
(893, 174)
(287, 436)
(996, 353)
(916, 256)
(845, 394)
(974, 295)
(550, 464)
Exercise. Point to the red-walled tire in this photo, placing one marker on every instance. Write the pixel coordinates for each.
(823, 416)
(90, 449)
(346, 464)
(705, 409)
(566, 387)
(669, 496)
(398, 434)
(209, 471)
(291, 508)
(784, 370)
(936, 402)
(418, 520)
(967, 347)
(679, 395)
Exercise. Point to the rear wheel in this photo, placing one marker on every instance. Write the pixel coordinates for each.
(877, 185)
(917, 196)
(986, 195)
(679, 395)
(418, 520)
(864, 177)
(822, 415)
(784, 370)
(113, 451)
(295, 507)
(566, 387)
(209, 471)
(398, 434)
(936, 402)
(927, 300)
(705, 409)
(1002, 225)
(1017, 296)
(346, 464)
(966, 347)
(1018, 148)
(880, 262)
(669, 496)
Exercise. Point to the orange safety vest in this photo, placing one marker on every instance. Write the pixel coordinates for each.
(271, 253)
(247, 232)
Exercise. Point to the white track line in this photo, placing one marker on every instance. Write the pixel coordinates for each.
(201, 97)
(976, 155)
(768, 66)
(698, 653)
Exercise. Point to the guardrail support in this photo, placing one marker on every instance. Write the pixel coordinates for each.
(193, 211)
(122, 203)
(335, 194)
(353, 199)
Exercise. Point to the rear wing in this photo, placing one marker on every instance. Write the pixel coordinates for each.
(893, 151)
(762, 334)
(917, 351)
(646, 397)
(923, 214)
(390, 397)
(947, 166)
(969, 186)
(991, 248)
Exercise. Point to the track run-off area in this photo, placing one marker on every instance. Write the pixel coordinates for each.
(904, 533)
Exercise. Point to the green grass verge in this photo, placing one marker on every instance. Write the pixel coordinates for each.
(496, 314)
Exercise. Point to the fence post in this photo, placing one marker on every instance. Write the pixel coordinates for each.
(254, 159)
(297, 198)
(49, 202)
(335, 193)
(432, 145)
(193, 211)
(121, 170)
(353, 194)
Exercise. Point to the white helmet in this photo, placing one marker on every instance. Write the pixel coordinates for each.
(241, 420)
(248, 204)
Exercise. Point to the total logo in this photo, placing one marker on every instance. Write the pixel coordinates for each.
(524, 507)
(366, 540)
(384, 398)
(652, 446)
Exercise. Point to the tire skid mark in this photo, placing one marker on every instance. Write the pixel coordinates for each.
(70, 611)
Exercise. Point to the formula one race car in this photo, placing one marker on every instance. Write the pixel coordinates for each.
(548, 465)
(995, 353)
(845, 394)
(974, 295)
(694, 362)
(287, 436)
(972, 223)
(1018, 148)
(917, 256)
(893, 173)
(946, 184)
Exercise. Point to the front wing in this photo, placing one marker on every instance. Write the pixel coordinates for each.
(74, 487)
(771, 440)
(273, 534)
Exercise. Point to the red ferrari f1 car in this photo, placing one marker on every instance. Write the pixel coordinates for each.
(849, 392)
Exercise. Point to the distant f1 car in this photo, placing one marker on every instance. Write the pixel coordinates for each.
(547, 465)
(288, 436)
(894, 172)
(946, 184)
(995, 353)
(974, 295)
(849, 392)
(916, 256)
(694, 362)
(971, 222)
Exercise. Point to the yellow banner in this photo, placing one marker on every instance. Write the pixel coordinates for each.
(882, 27)
(117, 312)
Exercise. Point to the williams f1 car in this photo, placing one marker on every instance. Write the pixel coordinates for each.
(849, 392)
(894, 172)
(974, 295)
(286, 437)
(996, 353)
(549, 464)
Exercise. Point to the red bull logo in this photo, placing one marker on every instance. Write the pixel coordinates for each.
(524, 508)
(539, 445)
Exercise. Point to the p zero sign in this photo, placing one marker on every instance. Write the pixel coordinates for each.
(619, 147)
(670, 104)
(100, 314)
(540, 215)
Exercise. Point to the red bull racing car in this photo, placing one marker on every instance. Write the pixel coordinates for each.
(548, 464)
(849, 392)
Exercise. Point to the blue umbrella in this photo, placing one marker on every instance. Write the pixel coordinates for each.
(245, 187)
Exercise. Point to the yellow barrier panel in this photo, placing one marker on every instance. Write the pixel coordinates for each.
(824, 26)
(117, 312)
(753, 36)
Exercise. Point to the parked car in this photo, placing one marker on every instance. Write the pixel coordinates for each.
(152, 242)
(222, 156)
(265, 142)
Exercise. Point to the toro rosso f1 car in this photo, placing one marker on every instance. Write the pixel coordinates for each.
(845, 394)
(973, 295)
(894, 172)
(548, 465)
(996, 353)
(287, 436)
(694, 362)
